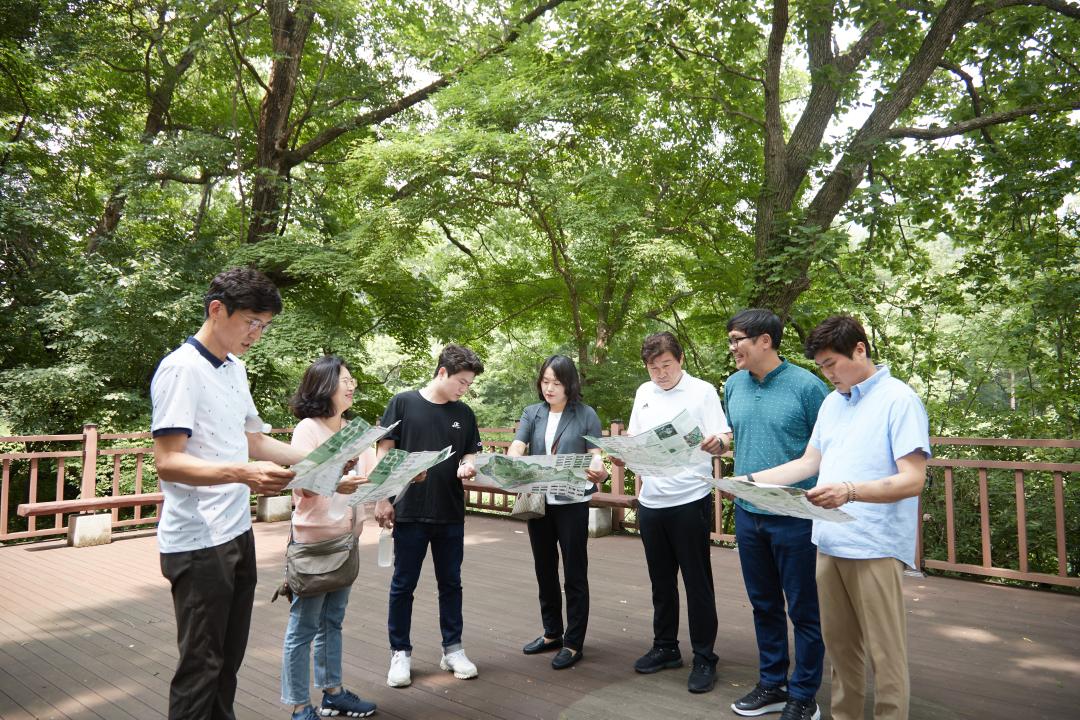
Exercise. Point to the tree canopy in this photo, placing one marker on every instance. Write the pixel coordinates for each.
(531, 177)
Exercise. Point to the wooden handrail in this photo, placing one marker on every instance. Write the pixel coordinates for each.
(101, 503)
(1007, 442)
(620, 499)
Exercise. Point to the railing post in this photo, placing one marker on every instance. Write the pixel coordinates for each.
(90, 453)
(618, 481)
(919, 539)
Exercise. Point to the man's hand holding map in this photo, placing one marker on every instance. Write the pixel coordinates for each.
(394, 472)
(674, 446)
(666, 449)
(778, 499)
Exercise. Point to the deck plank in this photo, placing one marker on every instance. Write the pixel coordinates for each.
(89, 633)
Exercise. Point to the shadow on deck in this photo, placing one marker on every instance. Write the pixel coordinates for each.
(89, 633)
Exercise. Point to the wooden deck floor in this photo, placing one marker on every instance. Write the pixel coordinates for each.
(89, 633)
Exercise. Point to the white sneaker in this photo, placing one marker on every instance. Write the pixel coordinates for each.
(400, 674)
(460, 665)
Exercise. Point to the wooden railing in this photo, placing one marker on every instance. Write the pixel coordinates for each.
(982, 475)
(66, 462)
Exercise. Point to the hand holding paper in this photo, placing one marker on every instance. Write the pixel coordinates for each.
(779, 499)
(395, 471)
(349, 483)
(666, 449)
(321, 471)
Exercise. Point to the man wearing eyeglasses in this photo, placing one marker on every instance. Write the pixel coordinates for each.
(205, 429)
(772, 406)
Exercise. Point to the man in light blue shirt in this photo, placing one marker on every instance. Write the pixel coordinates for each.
(869, 450)
(772, 406)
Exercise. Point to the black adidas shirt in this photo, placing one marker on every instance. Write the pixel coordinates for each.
(429, 426)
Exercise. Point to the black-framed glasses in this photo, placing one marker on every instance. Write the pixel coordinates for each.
(733, 342)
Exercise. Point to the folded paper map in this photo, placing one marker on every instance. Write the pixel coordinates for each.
(391, 477)
(667, 449)
(321, 471)
(558, 474)
(779, 499)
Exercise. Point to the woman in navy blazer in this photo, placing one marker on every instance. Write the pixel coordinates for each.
(556, 425)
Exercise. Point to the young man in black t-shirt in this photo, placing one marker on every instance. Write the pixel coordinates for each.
(431, 512)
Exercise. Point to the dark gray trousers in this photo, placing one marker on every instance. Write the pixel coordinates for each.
(213, 590)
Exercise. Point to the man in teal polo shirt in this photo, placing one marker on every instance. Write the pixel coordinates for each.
(772, 406)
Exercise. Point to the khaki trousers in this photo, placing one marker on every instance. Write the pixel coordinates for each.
(862, 615)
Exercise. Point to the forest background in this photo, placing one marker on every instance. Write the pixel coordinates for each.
(537, 177)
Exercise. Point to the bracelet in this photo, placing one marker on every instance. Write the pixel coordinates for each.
(850, 491)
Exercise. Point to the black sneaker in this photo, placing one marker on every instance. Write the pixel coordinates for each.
(658, 659)
(761, 700)
(702, 678)
(801, 710)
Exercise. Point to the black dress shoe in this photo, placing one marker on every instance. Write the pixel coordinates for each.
(540, 645)
(565, 658)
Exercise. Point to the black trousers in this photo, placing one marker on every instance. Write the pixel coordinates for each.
(676, 539)
(565, 528)
(213, 590)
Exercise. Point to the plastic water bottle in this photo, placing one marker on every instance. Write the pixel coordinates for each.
(386, 547)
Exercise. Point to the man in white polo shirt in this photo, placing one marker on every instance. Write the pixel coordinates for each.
(205, 428)
(675, 514)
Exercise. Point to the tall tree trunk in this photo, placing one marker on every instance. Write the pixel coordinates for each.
(274, 158)
(786, 239)
(160, 98)
(289, 30)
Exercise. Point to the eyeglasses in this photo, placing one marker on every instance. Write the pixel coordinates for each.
(733, 342)
(258, 325)
(349, 383)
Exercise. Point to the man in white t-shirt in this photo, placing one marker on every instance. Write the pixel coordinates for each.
(205, 428)
(675, 514)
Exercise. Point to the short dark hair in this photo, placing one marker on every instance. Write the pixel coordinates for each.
(243, 289)
(839, 333)
(314, 397)
(659, 343)
(456, 358)
(566, 373)
(755, 322)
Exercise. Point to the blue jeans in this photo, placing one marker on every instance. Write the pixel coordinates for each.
(411, 540)
(779, 560)
(317, 618)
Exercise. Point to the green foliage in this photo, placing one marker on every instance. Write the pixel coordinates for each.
(595, 180)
